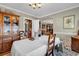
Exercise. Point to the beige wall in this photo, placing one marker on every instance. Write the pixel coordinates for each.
(22, 22)
(58, 21)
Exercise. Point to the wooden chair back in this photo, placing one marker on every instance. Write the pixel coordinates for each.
(51, 44)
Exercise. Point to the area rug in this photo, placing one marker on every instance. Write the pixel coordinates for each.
(65, 52)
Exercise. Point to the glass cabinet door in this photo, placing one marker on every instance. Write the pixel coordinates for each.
(15, 24)
(6, 24)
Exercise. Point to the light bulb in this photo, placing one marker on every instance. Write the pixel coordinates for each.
(33, 5)
(39, 5)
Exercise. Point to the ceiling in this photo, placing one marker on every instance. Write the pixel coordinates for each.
(46, 9)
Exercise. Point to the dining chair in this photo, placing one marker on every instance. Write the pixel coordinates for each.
(51, 45)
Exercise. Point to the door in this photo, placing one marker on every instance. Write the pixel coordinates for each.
(6, 25)
(15, 24)
(28, 28)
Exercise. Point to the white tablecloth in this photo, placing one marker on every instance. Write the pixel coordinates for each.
(25, 47)
(44, 39)
(57, 41)
(37, 47)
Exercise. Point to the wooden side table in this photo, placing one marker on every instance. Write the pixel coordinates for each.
(75, 43)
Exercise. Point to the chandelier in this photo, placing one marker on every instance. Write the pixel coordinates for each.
(35, 5)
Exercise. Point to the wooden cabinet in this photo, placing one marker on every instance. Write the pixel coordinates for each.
(1, 32)
(0, 45)
(9, 31)
(7, 43)
(75, 43)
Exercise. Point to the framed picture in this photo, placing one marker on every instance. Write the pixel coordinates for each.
(69, 22)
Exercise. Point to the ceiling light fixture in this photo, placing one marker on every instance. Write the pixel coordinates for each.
(35, 5)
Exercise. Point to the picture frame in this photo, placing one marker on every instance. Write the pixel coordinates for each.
(69, 22)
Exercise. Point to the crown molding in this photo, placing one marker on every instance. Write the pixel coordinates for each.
(73, 7)
(39, 17)
(16, 10)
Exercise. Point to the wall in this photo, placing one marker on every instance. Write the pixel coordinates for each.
(35, 27)
(22, 22)
(35, 24)
(57, 20)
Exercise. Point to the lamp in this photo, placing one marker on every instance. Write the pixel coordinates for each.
(35, 5)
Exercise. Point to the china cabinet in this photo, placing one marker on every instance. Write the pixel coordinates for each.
(9, 24)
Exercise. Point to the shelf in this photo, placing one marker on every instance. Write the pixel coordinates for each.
(6, 22)
(6, 31)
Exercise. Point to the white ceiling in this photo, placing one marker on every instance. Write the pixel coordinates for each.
(46, 9)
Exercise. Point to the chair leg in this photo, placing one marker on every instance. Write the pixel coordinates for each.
(52, 53)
